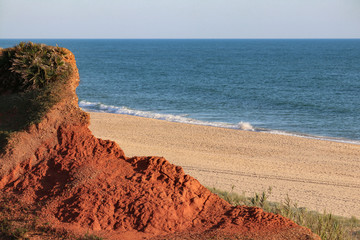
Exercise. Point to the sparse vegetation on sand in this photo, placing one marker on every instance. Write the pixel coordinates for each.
(30, 84)
(326, 225)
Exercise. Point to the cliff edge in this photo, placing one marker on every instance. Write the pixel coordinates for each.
(65, 182)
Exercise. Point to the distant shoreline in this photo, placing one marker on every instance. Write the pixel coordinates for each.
(316, 174)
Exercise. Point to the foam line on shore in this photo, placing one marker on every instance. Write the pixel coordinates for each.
(100, 107)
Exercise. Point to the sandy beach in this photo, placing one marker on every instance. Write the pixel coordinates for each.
(319, 175)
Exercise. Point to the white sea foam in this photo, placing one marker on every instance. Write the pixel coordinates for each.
(246, 126)
(99, 107)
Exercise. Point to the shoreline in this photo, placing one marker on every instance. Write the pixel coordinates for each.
(317, 174)
(245, 126)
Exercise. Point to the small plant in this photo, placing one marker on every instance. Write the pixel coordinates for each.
(260, 200)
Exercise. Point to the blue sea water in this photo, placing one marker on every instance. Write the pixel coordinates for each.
(300, 87)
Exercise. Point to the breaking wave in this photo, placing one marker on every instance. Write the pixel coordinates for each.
(99, 107)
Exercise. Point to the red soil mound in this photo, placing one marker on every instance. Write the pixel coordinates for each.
(83, 183)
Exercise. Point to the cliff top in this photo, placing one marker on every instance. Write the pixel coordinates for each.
(32, 80)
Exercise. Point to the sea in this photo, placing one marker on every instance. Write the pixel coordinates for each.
(302, 87)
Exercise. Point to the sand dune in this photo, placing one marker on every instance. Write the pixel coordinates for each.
(319, 175)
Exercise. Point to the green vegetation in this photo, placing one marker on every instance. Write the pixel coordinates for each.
(31, 79)
(326, 225)
(30, 66)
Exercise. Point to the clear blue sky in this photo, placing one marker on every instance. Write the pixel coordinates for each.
(180, 19)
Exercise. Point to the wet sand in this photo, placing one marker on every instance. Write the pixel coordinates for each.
(319, 175)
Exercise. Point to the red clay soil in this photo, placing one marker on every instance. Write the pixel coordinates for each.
(84, 184)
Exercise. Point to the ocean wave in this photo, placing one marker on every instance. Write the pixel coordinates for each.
(245, 126)
(99, 107)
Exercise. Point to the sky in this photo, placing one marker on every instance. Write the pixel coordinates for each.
(180, 19)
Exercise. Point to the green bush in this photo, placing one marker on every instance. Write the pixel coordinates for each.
(30, 66)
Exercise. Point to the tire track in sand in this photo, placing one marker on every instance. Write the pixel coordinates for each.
(267, 176)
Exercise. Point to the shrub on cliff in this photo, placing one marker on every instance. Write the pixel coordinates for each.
(30, 66)
(32, 78)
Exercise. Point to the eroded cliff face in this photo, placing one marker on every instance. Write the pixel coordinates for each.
(80, 183)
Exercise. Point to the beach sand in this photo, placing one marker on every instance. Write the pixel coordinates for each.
(319, 175)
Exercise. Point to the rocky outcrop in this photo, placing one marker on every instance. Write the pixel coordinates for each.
(82, 183)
